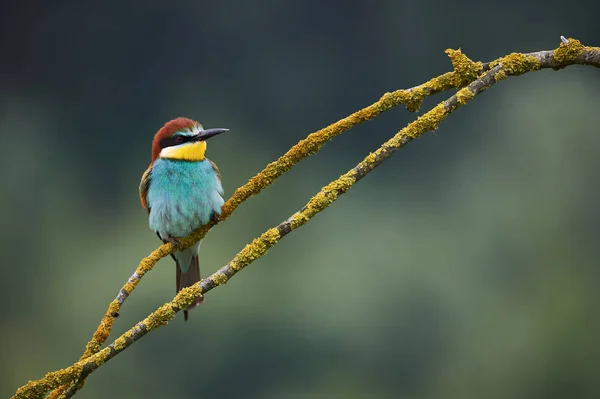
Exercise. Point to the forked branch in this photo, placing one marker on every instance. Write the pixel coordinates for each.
(473, 77)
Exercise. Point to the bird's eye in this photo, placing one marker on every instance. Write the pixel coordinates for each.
(179, 139)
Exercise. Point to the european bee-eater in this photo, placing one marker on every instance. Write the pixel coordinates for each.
(182, 191)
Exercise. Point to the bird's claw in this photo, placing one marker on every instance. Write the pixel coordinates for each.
(214, 217)
(173, 241)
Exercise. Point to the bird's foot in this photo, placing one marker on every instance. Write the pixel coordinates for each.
(214, 217)
(173, 241)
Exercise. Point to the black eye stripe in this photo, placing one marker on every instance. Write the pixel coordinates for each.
(171, 141)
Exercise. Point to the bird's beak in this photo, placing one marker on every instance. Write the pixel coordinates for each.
(208, 133)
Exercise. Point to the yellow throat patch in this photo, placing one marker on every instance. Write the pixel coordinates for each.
(185, 152)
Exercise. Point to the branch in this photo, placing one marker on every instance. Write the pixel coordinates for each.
(412, 98)
(569, 53)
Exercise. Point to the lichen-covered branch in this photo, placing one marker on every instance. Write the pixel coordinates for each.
(412, 98)
(478, 76)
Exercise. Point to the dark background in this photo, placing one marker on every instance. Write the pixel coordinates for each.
(465, 266)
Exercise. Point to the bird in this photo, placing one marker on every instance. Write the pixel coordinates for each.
(182, 191)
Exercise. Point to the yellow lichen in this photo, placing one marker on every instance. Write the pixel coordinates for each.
(412, 99)
(255, 249)
(464, 95)
(500, 75)
(113, 307)
(370, 159)
(466, 69)
(219, 278)
(568, 52)
(235, 265)
(271, 236)
(428, 121)
(38, 389)
(120, 343)
(442, 82)
(517, 64)
(128, 287)
(299, 218)
(342, 184)
(186, 296)
(387, 100)
(162, 315)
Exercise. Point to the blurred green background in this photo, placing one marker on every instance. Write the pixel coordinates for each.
(465, 266)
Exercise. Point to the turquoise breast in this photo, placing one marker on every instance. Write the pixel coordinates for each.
(182, 196)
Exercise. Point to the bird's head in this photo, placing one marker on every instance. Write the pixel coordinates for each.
(182, 139)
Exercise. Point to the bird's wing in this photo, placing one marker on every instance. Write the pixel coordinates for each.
(214, 166)
(144, 184)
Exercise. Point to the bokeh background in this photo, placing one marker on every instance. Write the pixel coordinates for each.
(465, 266)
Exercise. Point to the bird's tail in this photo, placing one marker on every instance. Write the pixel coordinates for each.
(188, 278)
